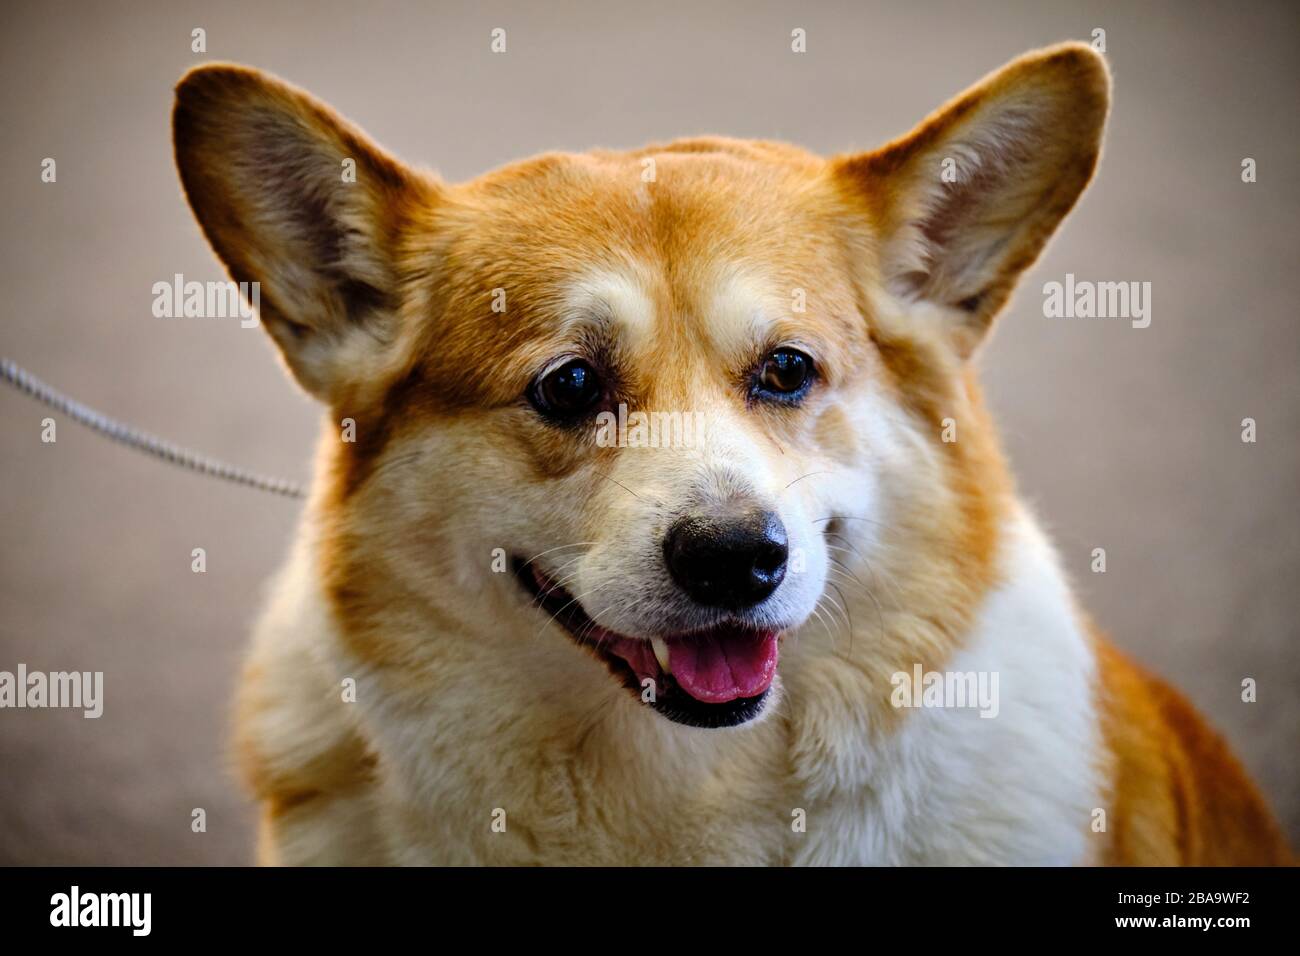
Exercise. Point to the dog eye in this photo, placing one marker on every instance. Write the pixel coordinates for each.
(785, 372)
(568, 391)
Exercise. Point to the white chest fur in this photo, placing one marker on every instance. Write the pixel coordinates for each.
(950, 786)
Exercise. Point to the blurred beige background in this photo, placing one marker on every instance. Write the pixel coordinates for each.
(1125, 439)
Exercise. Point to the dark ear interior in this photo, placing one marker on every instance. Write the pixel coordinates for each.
(294, 198)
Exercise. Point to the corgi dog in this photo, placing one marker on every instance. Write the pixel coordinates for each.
(522, 625)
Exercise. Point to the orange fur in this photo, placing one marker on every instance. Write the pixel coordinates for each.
(1180, 796)
(379, 295)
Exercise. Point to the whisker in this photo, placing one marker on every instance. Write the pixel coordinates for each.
(810, 474)
(576, 544)
(822, 619)
(870, 567)
(851, 518)
(561, 610)
(844, 568)
(619, 483)
(880, 613)
(555, 583)
(847, 541)
(847, 613)
(843, 614)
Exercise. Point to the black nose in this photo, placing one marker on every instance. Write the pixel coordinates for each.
(729, 561)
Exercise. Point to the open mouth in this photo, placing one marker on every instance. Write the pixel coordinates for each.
(717, 677)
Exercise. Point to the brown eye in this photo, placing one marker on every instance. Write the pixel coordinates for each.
(568, 392)
(785, 373)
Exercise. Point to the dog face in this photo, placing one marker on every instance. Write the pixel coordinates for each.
(660, 401)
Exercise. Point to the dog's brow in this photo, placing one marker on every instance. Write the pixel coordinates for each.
(611, 303)
(593, 326)
(742, 313)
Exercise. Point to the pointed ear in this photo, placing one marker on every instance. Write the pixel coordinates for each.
(294, 198)
(960, 206)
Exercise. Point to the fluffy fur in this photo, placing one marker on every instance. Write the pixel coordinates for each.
(471, 708)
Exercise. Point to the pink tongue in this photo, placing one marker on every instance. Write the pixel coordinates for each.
(724, 664)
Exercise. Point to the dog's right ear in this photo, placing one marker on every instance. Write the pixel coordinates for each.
(294, 198)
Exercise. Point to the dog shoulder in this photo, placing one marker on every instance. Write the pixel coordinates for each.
(297, 744)
(1180, 796)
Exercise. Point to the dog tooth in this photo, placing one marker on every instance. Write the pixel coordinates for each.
(661, 652)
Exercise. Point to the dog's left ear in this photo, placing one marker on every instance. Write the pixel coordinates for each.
(960, 206)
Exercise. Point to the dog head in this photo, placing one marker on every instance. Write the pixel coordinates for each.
(660, 400)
